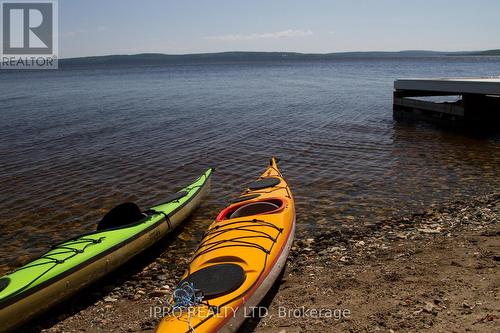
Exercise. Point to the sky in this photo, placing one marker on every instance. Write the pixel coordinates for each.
(102, 27)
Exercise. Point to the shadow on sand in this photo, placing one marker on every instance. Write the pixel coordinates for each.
(254, 319)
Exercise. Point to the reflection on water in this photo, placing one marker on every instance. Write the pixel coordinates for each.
(77, 142)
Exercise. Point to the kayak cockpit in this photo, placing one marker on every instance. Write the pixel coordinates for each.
(261, 207)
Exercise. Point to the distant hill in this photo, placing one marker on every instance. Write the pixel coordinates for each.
(486, 53)
(158, 58)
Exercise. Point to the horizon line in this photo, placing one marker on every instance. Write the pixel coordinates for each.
(284, 52)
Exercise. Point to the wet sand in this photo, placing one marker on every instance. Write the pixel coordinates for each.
(432, 271)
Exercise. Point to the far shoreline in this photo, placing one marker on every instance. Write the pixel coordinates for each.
(251, 56)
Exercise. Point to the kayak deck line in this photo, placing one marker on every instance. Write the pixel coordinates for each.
(238, 240)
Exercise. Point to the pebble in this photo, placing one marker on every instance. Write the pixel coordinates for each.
(109, 299)
(158, 293)
(430, 308)
(430, 231)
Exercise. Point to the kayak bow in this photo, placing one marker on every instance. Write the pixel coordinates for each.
(239, 258)
(69, 266)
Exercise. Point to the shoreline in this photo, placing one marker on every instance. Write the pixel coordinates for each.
(437, 270)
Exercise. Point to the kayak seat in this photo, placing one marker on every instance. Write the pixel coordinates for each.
(122, 215)
(254, 208)
(4, 282)
(264, 183)
(217, 280)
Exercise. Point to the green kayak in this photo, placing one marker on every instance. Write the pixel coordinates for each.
(69, 266)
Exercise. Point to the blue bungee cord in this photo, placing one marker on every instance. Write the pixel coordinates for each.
(184, 297)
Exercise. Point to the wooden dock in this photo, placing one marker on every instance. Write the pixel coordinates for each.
(477, 100)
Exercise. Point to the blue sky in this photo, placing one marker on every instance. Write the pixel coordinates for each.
(99, 27)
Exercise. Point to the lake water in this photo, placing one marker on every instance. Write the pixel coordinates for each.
(77, 141)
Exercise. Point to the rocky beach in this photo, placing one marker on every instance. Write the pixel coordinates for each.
(431, 271)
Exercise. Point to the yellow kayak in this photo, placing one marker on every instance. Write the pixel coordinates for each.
(239, 258)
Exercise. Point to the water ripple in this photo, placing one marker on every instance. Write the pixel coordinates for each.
(85, 140)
